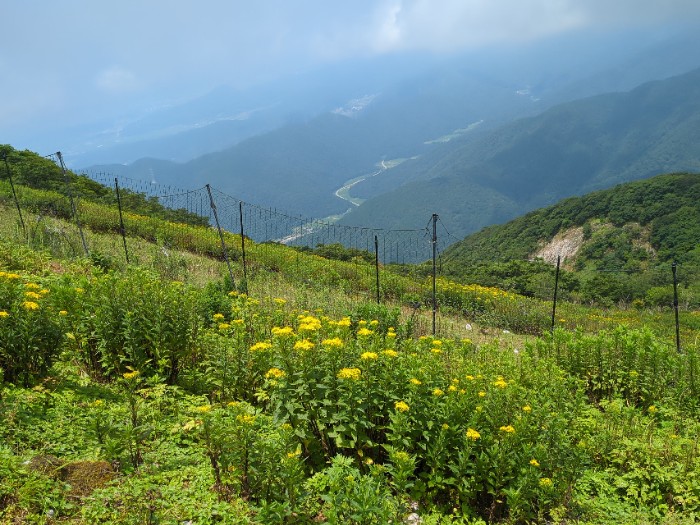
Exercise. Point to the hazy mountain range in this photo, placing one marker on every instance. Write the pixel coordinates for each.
(476, 139)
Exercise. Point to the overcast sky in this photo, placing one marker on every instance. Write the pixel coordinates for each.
(78, 57)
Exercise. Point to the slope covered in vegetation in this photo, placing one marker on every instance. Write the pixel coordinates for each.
(629, 236)
(157, 392)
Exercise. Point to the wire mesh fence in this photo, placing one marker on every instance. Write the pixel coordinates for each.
(210, 222)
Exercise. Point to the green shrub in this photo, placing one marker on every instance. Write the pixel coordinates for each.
(30, 329)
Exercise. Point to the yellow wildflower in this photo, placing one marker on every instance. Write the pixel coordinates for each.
(364, 332)
(309, 324)
(335, 342)
(344, 322)
(349, 373)
(401, 406)
(436, 350)
(32, 286)
(534, 463)
(260, 346)
(203, 409)
(63, 313)
(451, 388)
(500, 382)
(508, 429)
(131, 375)
(224, 326)
(282, 331)
(368, 356)
(445, 426)
(438, 392)
(3, 313)
(218, 317)
(415, 381)
(482, 394)
(280, 301)
(472, 434)
(30, 305)
(275, 373)
(390, 353)
(527, 408)
(652, 409)
(246, 419)
(470, 378)
(545, 482)
(304, 344)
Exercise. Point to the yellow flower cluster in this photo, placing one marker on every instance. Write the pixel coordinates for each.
(218, 317)
(500, 382)
(131, 375)
(401, 406)
(369, 356)
(545, 482)
(508, 429)
(304, 344)
(245, 419)
(275, 373)
(203, 409)
(415, 381)
(534, 463)
(472, 434)
(30, 305)
(364, 332)
(390, 353)
(438, 392)
(282, 331)
(309, 323)
(260, 346)
(349, 373)
(7, 275)
(335, 342)
(3, 313)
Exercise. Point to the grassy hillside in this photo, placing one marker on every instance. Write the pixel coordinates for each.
(153, 393)
(570, 149)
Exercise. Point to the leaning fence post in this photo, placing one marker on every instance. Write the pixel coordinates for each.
(221, 236)
(74, 209)
(14, 194)
(121, 220)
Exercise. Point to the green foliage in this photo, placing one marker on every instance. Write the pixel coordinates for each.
(631, 234)
(30, 329)
(33, 171)
(135, 322)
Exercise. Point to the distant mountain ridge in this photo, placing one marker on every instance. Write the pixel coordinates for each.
(569, 149)
(444, 118)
